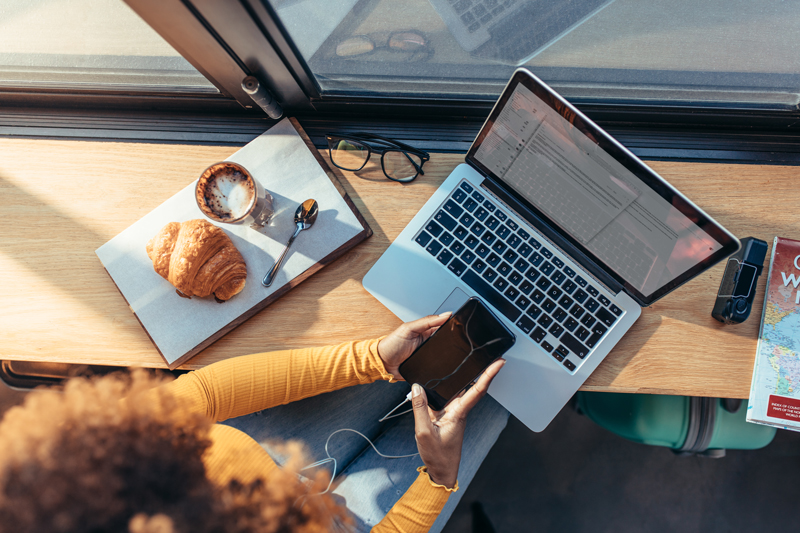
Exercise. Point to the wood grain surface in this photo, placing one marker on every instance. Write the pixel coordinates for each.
(63, 199)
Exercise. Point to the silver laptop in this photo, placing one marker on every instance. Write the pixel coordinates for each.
(558, 228)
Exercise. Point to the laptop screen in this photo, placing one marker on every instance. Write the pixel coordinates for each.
(601, 197)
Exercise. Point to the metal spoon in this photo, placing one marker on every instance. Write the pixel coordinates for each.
(304, 217)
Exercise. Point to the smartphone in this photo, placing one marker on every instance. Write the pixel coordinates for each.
(457, 353)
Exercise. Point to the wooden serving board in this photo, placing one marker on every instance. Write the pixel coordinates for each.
(286, 162)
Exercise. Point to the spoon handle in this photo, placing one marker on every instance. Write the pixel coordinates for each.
(270, 277)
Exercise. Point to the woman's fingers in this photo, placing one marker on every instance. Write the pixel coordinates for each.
(422, 326)
(423, 426)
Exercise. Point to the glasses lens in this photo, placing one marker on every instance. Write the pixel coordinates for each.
(400, 165)
(348, 155)
(355, 46)
(407, 41)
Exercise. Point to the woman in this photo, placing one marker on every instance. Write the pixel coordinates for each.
(88, 460)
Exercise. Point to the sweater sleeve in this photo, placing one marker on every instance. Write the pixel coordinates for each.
(419, 507)
(250, 383)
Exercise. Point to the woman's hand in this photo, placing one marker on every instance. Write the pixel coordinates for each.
(401, 343)
(440, 434)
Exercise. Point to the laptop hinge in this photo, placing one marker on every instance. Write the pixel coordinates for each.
(548, 231)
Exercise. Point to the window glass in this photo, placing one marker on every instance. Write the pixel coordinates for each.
(715, 51)
(88, 43)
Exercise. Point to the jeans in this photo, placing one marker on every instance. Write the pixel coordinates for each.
(371, 484)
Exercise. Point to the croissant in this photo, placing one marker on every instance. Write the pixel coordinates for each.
(199, 259)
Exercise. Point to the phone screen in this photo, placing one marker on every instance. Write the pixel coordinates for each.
(457, 353)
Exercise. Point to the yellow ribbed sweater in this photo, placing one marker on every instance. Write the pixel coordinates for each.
(244, 385)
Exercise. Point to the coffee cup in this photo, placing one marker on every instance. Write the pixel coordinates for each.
(227, 192)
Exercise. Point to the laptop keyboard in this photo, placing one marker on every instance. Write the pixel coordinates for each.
(477, 13)
(524, 280)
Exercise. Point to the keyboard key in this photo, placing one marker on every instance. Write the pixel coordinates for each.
(481, 214)
(489, 206)
(532, 274)
(515, 277)
(569, 286)
(478, 196)
(547, 253)
(571, 324)
(494, 298)
(576, 311)
(599, 329)
(523, 302)
(460, 232)
(444, 256)
(488, 238)
(558, 262)
(558, 277)
(468, 257)
(537, 296)
(514, 241)
(580, 281)
(525, 324)
(560, 315)
(556, 330)
(592, 341)
(562, 350)
(580, 296)
(503, 231)
(536, 244)
(569, 364)
(459, 195)
(603, 300)
(492, 223)
(457, 267)
(510, 256)
(512, 293)
(543, 283)
(555, 354)
(500, 284)
(547, 268)
(521, 265)
(493, 260)
(524, 250)
(549, 305)
(605, 316)
(538, 334)
(434, 229)
(453, 208)
(470, 205)
(466, 186)
(593, 291)
(479, 266)
(457, 247)
(616, 310)
(502, 216)
(524, 234)
(582, 333)
(482, 250)
(434, 247)
(499, 247)
(467, 219)
(536, 259)
(565, 302)
(548, 347)
(534, 312)
(476, 229)
(569, 272)
(446, 238)
(513, 225)
(504, 269)
(591, 304)
(554, 293)
(544, 320)
(526, 287)
(490, 275)
(423, 238)
(588, 320)
(471, 242)
(445, 220)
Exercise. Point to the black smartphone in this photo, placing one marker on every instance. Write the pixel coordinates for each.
(457, 353)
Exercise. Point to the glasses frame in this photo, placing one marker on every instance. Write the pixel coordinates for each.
(384, 145)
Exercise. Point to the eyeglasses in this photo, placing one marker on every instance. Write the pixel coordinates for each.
(400, 162)
(406, 45)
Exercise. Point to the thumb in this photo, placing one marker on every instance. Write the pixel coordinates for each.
(422, 420)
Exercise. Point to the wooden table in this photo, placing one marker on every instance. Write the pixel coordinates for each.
(60, 200)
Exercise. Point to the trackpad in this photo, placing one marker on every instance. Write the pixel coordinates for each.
(453, 302)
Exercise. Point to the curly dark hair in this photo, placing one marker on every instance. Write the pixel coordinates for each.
(118, 454)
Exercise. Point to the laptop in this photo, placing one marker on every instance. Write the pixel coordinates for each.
(562, 231)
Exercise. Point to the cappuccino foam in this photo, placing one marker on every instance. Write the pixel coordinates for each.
(228, 193)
